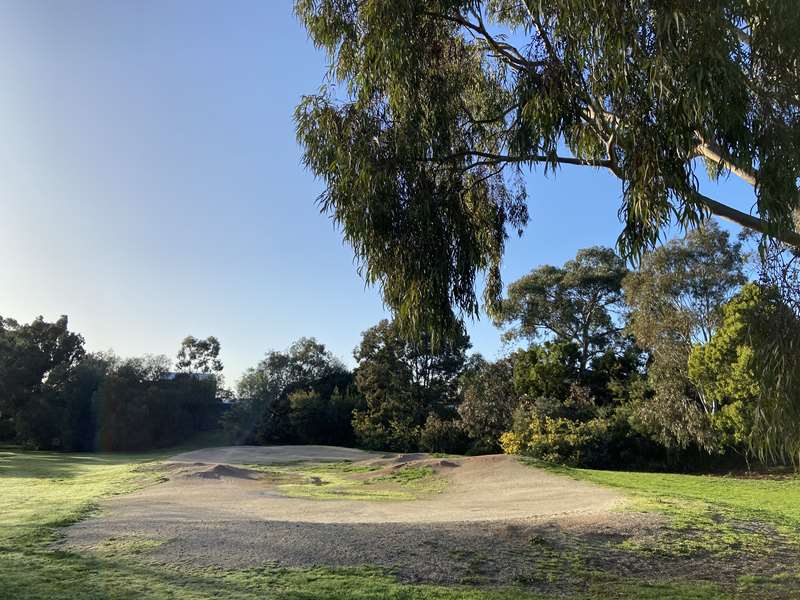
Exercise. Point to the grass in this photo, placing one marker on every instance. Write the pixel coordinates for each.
(775, 500)
(723, 517)
(42, 492)
(345, 481)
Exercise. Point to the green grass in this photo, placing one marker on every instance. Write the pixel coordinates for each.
(723, 517)
(345, 481)
(776, 500)
(41, 492)
(712, 505)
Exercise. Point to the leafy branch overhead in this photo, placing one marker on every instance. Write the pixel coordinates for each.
(433, 110)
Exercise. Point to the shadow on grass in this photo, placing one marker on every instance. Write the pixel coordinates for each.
(49, 575)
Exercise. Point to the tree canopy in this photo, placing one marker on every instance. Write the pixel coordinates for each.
(432, 110)
(574, 303)
(676, 301)
(404, 382)
(199, 356)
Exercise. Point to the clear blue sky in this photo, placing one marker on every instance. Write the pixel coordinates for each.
(151, 186)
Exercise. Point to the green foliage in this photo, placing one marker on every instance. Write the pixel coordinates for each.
(302, 394)
(199, 356)
(722, 370)
(433, 109)
(403, 383)
(574, 303)
(323, 419)
(575, 431)
(489, 399)
(547, 370)
(773, 332)
(676, 301)
(55, 396)
(35, 361)
(443, 435)
(752, 406)
(137, 413)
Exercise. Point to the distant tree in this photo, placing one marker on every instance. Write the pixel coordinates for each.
(489, 399)
(123, 416)
(64, 418)
(199, 356)
(778, 266)
(403, 382)
(574, 303)
(263, 408)
(34, 357)
(320, 418)
(676, 301)
(136, 412)
(440, 434)
(152, 367)
(433, 110)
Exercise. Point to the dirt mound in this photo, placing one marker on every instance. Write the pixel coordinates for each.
(391, 466)
(481, 488)
(219, 472)
(269, 455)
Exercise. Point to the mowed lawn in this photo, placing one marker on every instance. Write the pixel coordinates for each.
(43, 492)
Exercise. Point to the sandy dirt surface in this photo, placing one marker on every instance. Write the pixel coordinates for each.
(214, 511)
(481, 488)
(261, 455)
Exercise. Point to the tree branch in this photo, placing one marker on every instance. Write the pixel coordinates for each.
(749, 221)
(498, 158)
(512, 56)
(713, 153)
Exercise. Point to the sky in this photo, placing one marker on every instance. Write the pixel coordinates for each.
(151, 186)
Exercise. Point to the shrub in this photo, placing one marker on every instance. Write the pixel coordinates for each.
(576, 432)
(443, 435)
(394, 435)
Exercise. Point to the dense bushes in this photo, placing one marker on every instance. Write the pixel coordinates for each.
(577, 432)
(404, 383)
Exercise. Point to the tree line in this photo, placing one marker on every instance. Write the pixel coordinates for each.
(654, 367)
(663, 366)
(54, 395)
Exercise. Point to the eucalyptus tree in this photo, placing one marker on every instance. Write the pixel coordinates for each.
(488, 400)
(200, 356)
(579, 302)
(34, 356)
(262, 410)
(676, 302)
(432, 111)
